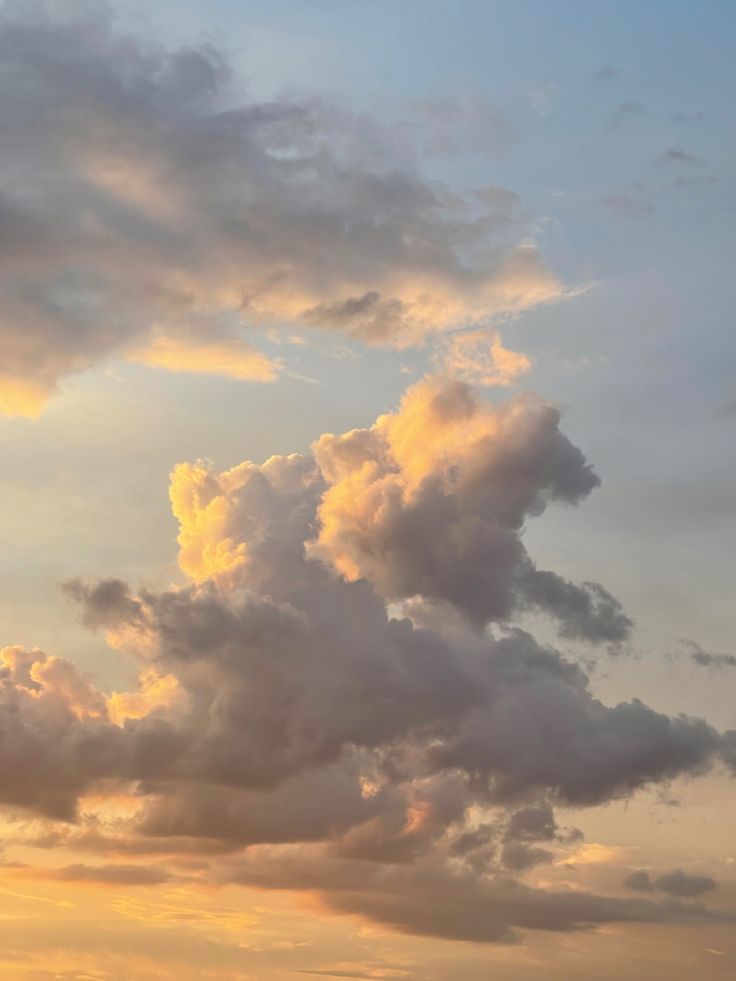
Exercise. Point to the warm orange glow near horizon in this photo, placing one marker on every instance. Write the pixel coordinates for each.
(425, 669)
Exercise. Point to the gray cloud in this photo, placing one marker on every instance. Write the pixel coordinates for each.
(586, 612)
(533, 823)
(708, 659)
(714, 660)
(683, 884)
(518, 857)
(406, 769)
(639, 881)
(679, 157)
(689, 117)
(607, 73)
(432, 899)
(677, 883)
(151, 211)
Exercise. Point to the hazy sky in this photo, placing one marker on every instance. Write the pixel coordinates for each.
(367, 407)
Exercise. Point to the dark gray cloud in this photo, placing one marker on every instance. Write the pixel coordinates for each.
(708, 659)
(586, 612)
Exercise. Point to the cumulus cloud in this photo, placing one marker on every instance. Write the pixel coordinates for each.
(405, 768)
(152, 211)
(432, 500)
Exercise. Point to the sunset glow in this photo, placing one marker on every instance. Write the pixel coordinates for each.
(367, 410)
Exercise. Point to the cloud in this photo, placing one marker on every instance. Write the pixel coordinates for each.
(151, 211)
(288, 713)
(679, 157)
(683, 884)
(478, 356)
(676, 883)
(708, 659)
(435, 900)
(54, 738)
(639, 881)
(109, 875)
(586, 612)
(607, 73)
(232, 358)
(440, 516)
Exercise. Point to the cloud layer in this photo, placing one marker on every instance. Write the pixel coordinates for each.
(152, 211)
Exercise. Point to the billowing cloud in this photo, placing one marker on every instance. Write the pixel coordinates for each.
(150, 210)
(432, 500)
(403, 763)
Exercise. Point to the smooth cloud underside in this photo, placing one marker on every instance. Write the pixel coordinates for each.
(340, 700)
(148, 210)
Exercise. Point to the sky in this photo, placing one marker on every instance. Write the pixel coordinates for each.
(367, 410)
